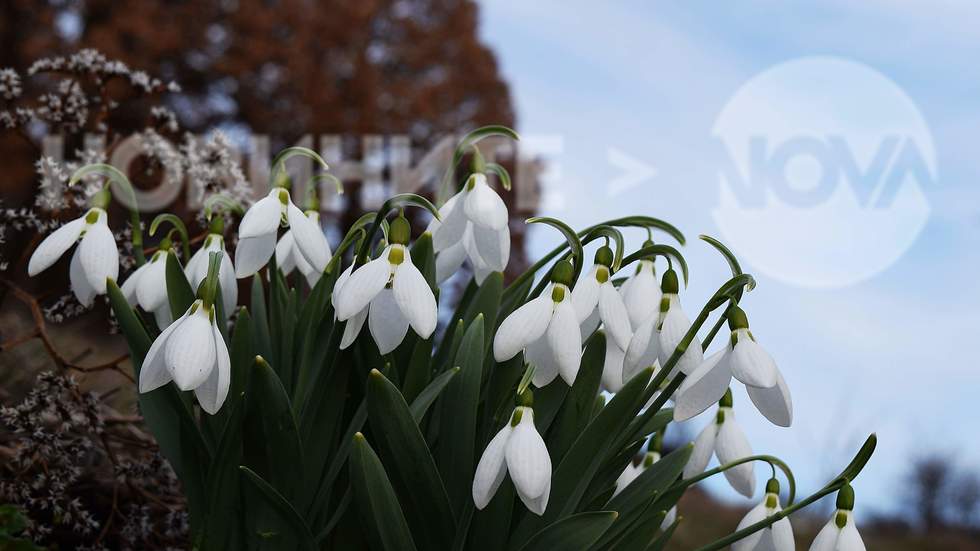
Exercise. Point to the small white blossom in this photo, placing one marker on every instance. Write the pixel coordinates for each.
(517, 449)
(724, 437)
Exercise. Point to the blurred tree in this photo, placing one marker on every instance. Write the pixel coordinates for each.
(929, 485)
(966, 499)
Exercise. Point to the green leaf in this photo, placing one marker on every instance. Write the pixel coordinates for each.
(386, 527)
(428, 395)
(224, 521)
(260, 325)
(179, 291)
(290, 524)
(419, 370)
(486, 301)
(574, 532)
(272, 444)
(663, 539)
(577, 409)
(457, 430)
(411, 467)
(242, 355)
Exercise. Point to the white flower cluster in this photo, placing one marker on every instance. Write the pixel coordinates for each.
(93, 63)
(67, 107)
(10, 84)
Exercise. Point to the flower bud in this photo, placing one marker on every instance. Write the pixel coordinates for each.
(604, 256)
(737, 318)
(400, 231)
(669, 284)
(562, 273)
(845, 498)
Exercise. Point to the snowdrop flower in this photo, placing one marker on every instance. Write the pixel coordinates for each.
(547, 329)
(776, 537)
(95, 259)
(658, 336)
(197, 269)
(641, 291)
(257, 234)
(289, 257)
(389, 292)
(519, 450)
(595, 293)
(840, 533)
(475, 226)
(147, 286)
(750, 364)
(724, 437)
(192, 354)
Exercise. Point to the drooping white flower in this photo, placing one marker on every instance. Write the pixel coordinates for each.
(257, 233)
(641, 292)
(197, 269)
(390, 291)
(750, 364)
(595, 293)
(658, 336)
(632, 472)
(289, 257)
(95, 260)
(840, 533)
(547, 329)
(776, 537)
(517, 449)
(474, 225)
(192, 354)
(147, 286)
(724, 438)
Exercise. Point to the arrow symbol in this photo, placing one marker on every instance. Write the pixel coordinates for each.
(634, 171)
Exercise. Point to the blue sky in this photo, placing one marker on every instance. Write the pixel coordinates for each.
(646, 82)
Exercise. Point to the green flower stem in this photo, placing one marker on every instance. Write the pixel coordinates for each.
(221, 200)
(608, 232)
(501, 173)
(121, 181)
(470, 140)
(398, 201)
(848, 474)
(178, 225)
(210, 287)
(653, 251)
(280, 161)
(771, 459)
(571, 239)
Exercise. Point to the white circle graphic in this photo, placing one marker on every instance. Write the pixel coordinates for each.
(822, 177)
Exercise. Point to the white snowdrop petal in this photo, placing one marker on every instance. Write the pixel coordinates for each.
(527, 457)
(79, 283)
(162, 315)
(755, 514)
(826, 539)
(565, 341)
(385, 321)
(704, 387)
(612, 366)
(339, 284)
(154, 372)
(752, 365)
(644, 349)
(285, 259)
(536, 505)
(614, 315)
(132, 283)
(732, 445)
(99, 256)
(675, 326)
(353, 328)
(782, 536)
(590, 324)
(251, 254)
(524, 325)
(309, 238)
(642, 297)
(263, 218)
(538, 354)
(585, 296)
(850, 539)
(54, 246)
(453, 224)
(774, 403)
(213, 392)
(493, 247)
(491, 469)
(704, 447)
(190, 352)
(229, 285)
(483, 206)
(192, 270)
(362, 286)
(415, 298)
(151, 289)
(669, 518)
(449, 260)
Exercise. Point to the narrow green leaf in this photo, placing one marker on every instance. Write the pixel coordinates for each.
(179, 291)
(486, 301)
(411, 468)
(577, 409)
(574, 532)
(260, 325)
(386, 527)
(428, 395)
(419, 370)
(291, 525)
(457, 431)
(225, 515)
